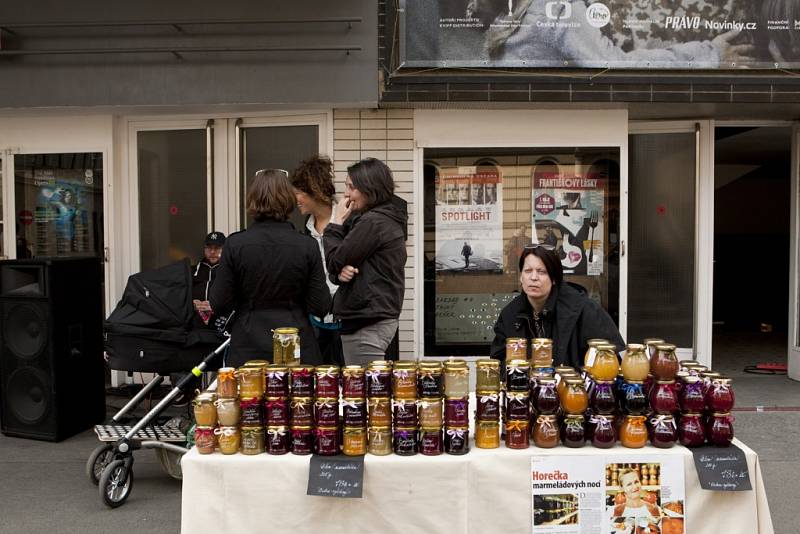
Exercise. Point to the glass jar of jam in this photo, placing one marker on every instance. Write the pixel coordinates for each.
(573, 431)
(379, 379)
(663, 431)
(634, 400)
(633, 433)
(429, 379)
(606, 364)
(430, 441)
(404, 380)
(517, 435)
(455, 411)
(326, 412)
(707, 378)
(327, 381)
(663, 399)
(204, 440)
(516, 348)
(664, 363)
(635, 364)
(327, 441)
(487, 376)
(487, 434)
(252, 413)
(405, 441)
(405, 412)
(574, 400)
(650, 346)
(354, 412)
(302, 440)
(301, 381)
(227, 388)
(719, 396)
(602, 398)
(691, 432)
(545, 397)
(252, 439)
(228, 412)
(276, 411)
(561, 382)
(565, 369)
(517, 375)
(456, 440)
(302, 410)
(354, 441)
(720, 429)
(379, 411)
(279, 440)
(488, 406)
(591, 352)
(691, 398)
(205, 412)
(456, 378)
(251, 381)
(277, 378)
(602, 431)
(379, 440)
(517, 406)
(228, 438)
(545, 432)
(429, 412)
(354, 383)
(285, 345)
(542, 352)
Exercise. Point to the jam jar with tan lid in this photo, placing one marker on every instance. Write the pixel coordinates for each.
(227, 387)
(591, 352)
(517, 406)
(286, 345)
(354, 411)
(404, 412)
(545, 397)
(251, 381)
(633, 399)
(278, 440)
(635, 363)
(379, 440)
(487, 406)
(516, 348)
(487, 375)
(379, 379)
(276, 411)
(429, 412)
(456, 378)
(606, 363)
(691, 396)
(228, 412)
(379, 411)
(602, 398)
(405, 441)
(326, 412)
(691, 431)
(541, 352)
(429, 379)
(229, 439)
(354, 441)
(430, 441)
(545, 432)
(517, 435)
(205, 412)
(663, 431)
(633, 432)
(575, 399)
(252, 439)
(302, 381)
(517, 374)
(327, 381)
(487, 434)
(404, 380)
(719, 395)
(719, 430)
(277, 381)
(602, 431)
(302, 411)
(650, 346)
(573, 431)
(327, 441)
(354, 383)
(664, 363)
(302, 440)
(251, 411)
(456, 411)
(204, 439)
(663, 398)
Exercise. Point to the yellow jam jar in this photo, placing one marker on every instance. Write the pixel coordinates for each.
(542, 352)
(487, 434)
(606, 364)
(591, 352)
(205, 413)
(487, 378)
(456, 378)
(354, 441)
(635, 363)
(285, 345)
(516, 348)
(379, 411)
(251, 381)
(228, 439)
(252, 439)
(429, 412)
(379, 440)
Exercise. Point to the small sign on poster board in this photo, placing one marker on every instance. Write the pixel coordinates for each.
(722, 468)
(336, 476)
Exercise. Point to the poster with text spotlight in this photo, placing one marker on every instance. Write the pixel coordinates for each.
(468, 318)
(610, 494)
(469, 220)
(568, 216)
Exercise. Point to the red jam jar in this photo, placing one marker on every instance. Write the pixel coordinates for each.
(455, 411)
(302, 440)
(663, 399)
(720, 429)
(276, 411)
(602, 398)
(327, 441)
(691, 432)
(430, 441)
(456, 440)
(664, 363)
(691, 396)
(204, 439)
(277, 378)
(663, 431)
(302, 410)
(633, 399)
(379, 379)
(517, 435)
(405, 441)
(545, 396)
(719, 396)
(573, 431)
(517, 406)
(354, 412)
(251, 411)
(545, 432)
(488, 407)
(279, 440)
(326, 412)
(354, 383)
(602, 431)
(327, 381)
(405, 412)
(302, 381)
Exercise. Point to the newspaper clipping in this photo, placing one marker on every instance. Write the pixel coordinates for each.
(612, 494)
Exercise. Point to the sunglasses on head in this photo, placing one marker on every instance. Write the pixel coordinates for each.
(264, 171)
(534, 246)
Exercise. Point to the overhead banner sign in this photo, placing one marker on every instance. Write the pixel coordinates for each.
(625, 34)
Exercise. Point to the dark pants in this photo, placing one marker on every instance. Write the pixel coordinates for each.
(330, 345)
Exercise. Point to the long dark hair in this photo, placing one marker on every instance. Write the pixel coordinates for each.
(550, 259)
(373, 179)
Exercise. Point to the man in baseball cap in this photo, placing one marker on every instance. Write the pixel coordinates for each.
(203, 275)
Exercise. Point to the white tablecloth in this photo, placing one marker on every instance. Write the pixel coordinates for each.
(485, 491)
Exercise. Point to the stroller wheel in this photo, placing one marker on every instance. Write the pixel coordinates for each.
(116, 483)
(98, 460)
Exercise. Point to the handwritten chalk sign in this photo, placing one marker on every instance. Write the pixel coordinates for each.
(722, 468)
(336, 476)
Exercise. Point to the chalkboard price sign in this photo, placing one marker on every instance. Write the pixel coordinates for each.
(722, 468)
(336, 476)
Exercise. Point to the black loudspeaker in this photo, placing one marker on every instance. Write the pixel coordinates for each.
(52, 377)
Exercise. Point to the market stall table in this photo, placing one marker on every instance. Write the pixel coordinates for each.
(487, 490)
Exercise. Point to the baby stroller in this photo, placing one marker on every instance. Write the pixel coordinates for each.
(150, 331)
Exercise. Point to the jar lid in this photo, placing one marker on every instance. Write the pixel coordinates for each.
(355, 399)
(405, 365)
(547, 380)
(612, 381)
(206, 396)
(723, 380)
(301, 427)
(700, 369)
(226, 370)
(485, 393)
(596, 341)
(516, 423)
(518, 363)
(430, 399)
(487, 362)
(249, 400)
(564, 368)
(541, 341)
(380, 429)
(689, 363)
(256, 363)
(354, 429)
(405, 429)
(303, 399)
(279, 428)
(653, 341)
(518, 394)
(205, 428)
(691, 379)
(721, 414)
(519, 340)
(352, 369)
(606, 347)
(308, 368)
(286, 330)
(573, 380)
(576, 416)
(325, 400)
(328, 428)
(455, 363)
(432, 428)
(273, 399)
(711, 374)
(277, 367)
(430, 365)
(665, 346)
(461, 428)
(380, 364)
(665, 381)
(634, 347)
(482, 422)
(254, 428)
(326, 368)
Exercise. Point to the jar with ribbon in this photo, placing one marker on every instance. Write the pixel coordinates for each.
(302, 381)
(487, 434)
(404, 380)
(379, 411)
(663, 431)
(691, 398)
(719, 430)
(719, 395)
(204, 439)
(606, 363)
(302, 440)
(517, 373)
(252, 439)
(354, 441)
(354, 412)
(252, 413)
(691, 431)
(429, 412)
(487, 377)
(650, 344)
(430, 441)
(286, 345)
(633, 398)
(516, 348)
(488, 406)
(251, 378)
(276, 411)
(542, 353)
(327, 381)
(205, 412)
(405, 412)
(664, 364)
(277, 381)
(633, 433)
(228, 411)
(663, 399)
(602, 431)
(517, 436)
(354, 382)
(429, 379)
(405, 441)
(326, 442)
(227, 388)
(379, 379)
(456, 378)
(302, 411)
(455, 412)
(545, 432)
(574, 400)
(326, 412)
(573, 431)
(279, 440)
(591, 352)
(379, 441)
(635, 363)
(456, 440)
(545, 397)
(602, 398)
(228, 438)
(517, 406)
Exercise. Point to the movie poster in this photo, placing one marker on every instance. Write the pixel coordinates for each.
(568, 215)
(62, 214)
(469, 219)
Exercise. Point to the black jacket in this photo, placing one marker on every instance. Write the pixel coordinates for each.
(575, 320)
(272, 276)
(203, 276)
(376, 245)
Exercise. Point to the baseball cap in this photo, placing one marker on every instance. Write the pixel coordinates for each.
(215, 238)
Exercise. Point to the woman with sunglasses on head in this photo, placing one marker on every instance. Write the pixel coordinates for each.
(271, 275)
(365, 249)
(549, 307)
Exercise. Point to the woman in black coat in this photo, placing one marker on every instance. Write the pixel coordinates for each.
(548, 307)
(270, 275)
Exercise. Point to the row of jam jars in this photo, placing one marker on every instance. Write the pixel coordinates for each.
(327, 439)
(277, 409)
(430, 387)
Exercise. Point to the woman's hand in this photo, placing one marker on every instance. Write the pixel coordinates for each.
(347, 274)
(343, 211)
(201, 305)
